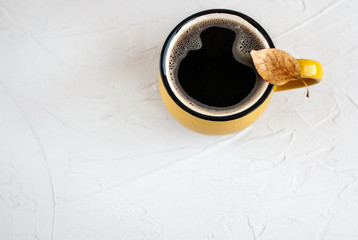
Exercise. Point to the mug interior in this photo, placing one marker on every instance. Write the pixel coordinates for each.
(251, 102)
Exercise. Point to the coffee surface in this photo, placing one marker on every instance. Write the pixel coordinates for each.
(211, 75)
(209, 67)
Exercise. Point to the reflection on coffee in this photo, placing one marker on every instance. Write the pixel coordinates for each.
(209, 67)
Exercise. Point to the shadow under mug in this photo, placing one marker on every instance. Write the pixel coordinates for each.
(311, 72)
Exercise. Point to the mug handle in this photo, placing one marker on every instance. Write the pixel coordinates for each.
(311, 73)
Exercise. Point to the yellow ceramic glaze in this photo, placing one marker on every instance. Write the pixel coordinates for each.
(311, 72)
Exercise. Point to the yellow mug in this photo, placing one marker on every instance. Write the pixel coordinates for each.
(226, 123)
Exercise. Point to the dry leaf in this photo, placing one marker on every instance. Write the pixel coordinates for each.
(276, 66)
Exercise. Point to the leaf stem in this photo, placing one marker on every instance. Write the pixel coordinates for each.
(308, 92)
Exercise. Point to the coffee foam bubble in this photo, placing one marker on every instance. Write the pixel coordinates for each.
(188, 38)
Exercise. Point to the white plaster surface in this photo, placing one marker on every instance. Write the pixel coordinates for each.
(88, 150)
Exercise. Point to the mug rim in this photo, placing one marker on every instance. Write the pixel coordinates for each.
(164, 79)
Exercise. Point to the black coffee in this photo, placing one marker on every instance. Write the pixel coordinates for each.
(211, 75)
(209, 67)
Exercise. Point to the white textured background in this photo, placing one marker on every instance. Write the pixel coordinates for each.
(88, 150)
